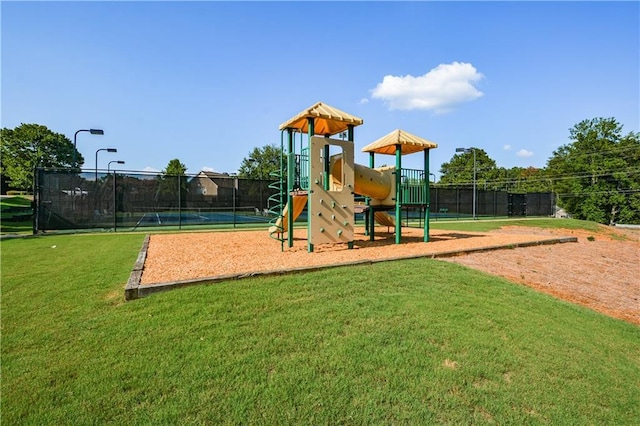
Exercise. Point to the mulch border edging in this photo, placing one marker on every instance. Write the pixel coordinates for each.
(134, 290)
(131, 290)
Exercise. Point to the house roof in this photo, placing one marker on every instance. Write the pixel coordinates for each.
(328, 120)
(212, 175)
(409, 143)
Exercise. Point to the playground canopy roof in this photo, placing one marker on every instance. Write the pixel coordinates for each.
(409, 143)
(328, 120)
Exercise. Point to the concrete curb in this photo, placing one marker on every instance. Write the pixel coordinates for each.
(134, 290)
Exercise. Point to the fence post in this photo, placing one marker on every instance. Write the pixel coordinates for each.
(35, 204)
(437, 209)
(115, 206)
(233, 202)
(179, 205)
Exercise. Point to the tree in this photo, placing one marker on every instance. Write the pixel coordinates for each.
(175, 168)
(597, 175)
(261, 162)
(519, 179)
(460, 170)
(172, 178)
(32, 145)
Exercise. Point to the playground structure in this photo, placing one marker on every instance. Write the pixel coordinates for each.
(320, 173)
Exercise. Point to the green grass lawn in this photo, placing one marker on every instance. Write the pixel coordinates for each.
(15, 215)
(407, 342)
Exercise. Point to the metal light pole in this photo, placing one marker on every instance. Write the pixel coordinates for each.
(95, 195)
(115, 217)
(254, 161)
(474, 175)
(92, 131)
(102, 149)
(114, 161)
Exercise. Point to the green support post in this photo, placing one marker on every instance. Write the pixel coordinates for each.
(370, 212)
(398, 193)
(311, 131)
(427, 197)
(350, 139)
(291, 177)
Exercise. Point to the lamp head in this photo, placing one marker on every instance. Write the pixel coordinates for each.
(96, 131)
(112, 150)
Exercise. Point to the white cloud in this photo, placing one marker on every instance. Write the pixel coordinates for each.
(208, 169)
(150, 169)
(364, 101)
(442, 88)
(524, 153)
(506, 147)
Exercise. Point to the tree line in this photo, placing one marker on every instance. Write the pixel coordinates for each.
(596, 176)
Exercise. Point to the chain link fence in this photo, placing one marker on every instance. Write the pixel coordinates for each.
(118, 200)
(458, 203)
(131, 200)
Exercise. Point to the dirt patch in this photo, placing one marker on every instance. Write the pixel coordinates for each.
(600, 271)
(601, 274)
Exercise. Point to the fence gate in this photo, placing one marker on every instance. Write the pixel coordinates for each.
(517, 205)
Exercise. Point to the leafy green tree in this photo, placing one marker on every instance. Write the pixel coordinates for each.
(261, 163)
(175, 168)
(171, 180)
(519, 179)
(33, 145)
(460, 170)
(597, 175)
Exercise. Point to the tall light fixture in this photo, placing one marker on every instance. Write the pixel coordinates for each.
(113, 161)
(92, 131)
(97, 151)
(254, 161)
(115, 207)
(474, 175)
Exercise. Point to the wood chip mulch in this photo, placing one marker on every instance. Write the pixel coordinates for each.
(600, 271)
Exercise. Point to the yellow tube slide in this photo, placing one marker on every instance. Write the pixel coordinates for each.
(367, 181)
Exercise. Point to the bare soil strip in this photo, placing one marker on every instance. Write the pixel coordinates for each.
(601, 271)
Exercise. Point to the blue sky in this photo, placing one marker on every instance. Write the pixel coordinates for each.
(205, 82)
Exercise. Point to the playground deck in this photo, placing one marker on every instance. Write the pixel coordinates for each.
(171, 260)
